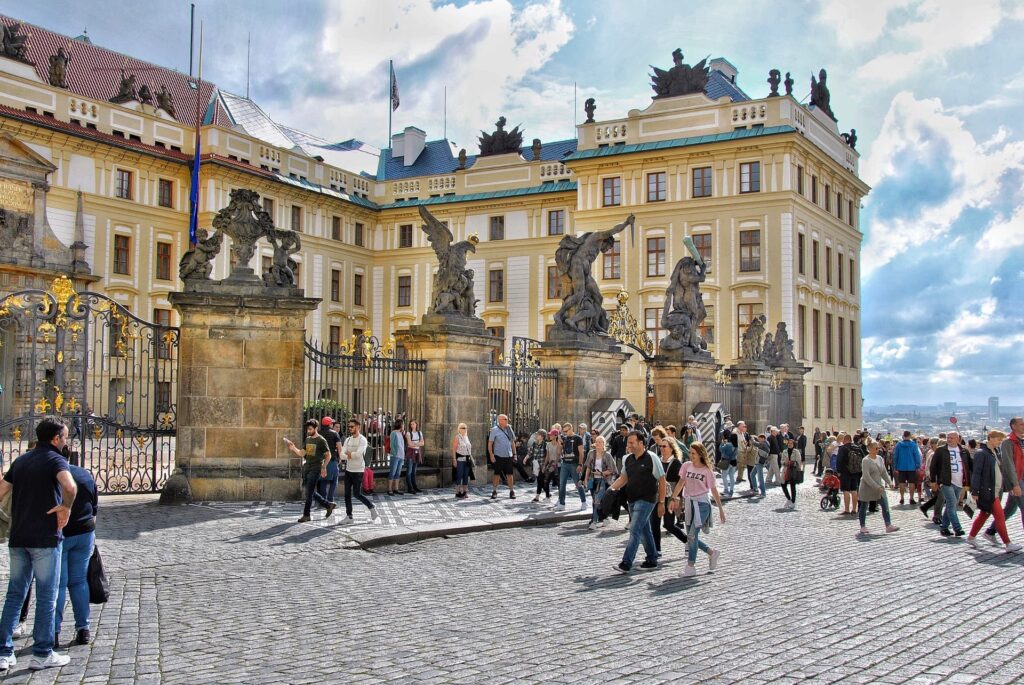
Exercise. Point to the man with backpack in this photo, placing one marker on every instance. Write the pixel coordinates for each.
(906, 461)
(849, 460)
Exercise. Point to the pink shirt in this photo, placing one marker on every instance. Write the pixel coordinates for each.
(697, 480)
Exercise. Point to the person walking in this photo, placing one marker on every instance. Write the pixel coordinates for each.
(571, 467)
(316, 455)
(986, 486)
(792, 471)
(672, 462)
(501, 449)
(728, 452)
(873, 480)
(617, 445)
(759, 447)
(79, 539)
(328, 487)
(1011, 457)
(600, 471)
(44, 492)
(462, 461)
(536, 456)
(643, 482)
(693, 493)
(948, 471)
(849, 460)
(353, 453)
(774, 441)
(413, 455)
(396, 454)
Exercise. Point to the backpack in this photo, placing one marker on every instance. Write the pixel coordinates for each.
(853, 459)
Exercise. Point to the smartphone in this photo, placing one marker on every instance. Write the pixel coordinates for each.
(285, 439)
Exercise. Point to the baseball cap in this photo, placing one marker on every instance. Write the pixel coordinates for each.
(326, 421)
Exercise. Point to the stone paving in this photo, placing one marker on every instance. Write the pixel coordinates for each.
(216, 594)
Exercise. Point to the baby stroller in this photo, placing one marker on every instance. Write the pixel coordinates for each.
(830, 486)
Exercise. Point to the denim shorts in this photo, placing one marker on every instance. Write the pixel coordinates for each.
(396, 467)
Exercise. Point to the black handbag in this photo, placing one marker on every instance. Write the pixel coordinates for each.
(99, 588)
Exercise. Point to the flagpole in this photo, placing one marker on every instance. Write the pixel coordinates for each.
(446, 112)
(391, 79)
(193, 224)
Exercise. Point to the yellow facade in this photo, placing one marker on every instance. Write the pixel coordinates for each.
(798, 151)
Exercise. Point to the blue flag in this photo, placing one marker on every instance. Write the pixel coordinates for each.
(193, 197)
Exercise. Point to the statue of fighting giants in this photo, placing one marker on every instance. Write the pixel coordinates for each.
(684, 306)
(582, 308)
(453, 282)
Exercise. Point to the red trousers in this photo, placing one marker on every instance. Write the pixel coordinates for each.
(997, 517)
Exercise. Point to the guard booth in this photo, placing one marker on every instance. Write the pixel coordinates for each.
(606, 415)
(711, 418)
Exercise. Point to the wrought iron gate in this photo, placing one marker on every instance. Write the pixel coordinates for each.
(520, 389)
(362, 378)
(111, 376)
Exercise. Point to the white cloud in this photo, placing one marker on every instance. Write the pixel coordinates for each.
(858, 23)
(482, 51)
(877, 352)
(923, 131)
(1004, 233)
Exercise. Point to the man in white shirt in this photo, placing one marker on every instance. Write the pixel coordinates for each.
(353, 453)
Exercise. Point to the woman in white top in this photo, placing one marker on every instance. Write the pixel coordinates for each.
(413, 455)
(462, 458)
(601, 471)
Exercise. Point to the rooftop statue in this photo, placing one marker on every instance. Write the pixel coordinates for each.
(12, 43)
(681, 79)
(752, 344)
(789, 84)
(590, 106)
(850, 138)
(58, 75)
(820, 97)
(453, 282)
(774, 79)
(164, 101)
(582, 308)
(501, 141)
(684, 306)
(126, 89)
(145, 95)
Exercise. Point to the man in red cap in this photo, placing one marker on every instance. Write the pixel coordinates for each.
(328, 486)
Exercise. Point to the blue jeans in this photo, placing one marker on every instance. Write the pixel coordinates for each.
(596, 495)
(396, 467)
(757, 479)
(309, 482)
(74, 567)
(729, 480)
(44, 564)
(862, 511)
(694, 542)
(328, 487)
(462, 473)
(640, 531)
(410, 476)
(567, 472)
(951, 494)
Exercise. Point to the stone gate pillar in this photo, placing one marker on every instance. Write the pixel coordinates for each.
(679, 385)
(752, 380)
(589, 368)
(240, 375)
(457, 357)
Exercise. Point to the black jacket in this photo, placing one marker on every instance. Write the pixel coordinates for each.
(940, 470)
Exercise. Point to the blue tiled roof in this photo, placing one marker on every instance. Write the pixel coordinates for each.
(738, 134)
(720, 86)
(439, 157)
(560, 187)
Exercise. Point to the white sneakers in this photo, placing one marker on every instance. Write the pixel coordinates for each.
(1012, 547)
(55, 660)
(713, 559)
(891, 529)
(373, 514)
(583, 506)
(19, 630)
(991, 537)
(348, 520)
(7, 663)
(972, 541)
(558, 507)
(690, 571)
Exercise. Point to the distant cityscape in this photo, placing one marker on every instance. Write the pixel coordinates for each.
(972, 420)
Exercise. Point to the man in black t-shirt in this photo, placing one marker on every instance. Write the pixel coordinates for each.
(571, 467)
(617, 445)
(316, 456)
(43, 493)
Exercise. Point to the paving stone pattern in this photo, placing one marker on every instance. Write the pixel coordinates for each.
(218, 594)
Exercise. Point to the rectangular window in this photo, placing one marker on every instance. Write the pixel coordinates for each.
(165, 192)
(817, 401)
(656, 187)
(814, 259)
(849, 212)
(840, 268)
(842, 403)
(556, 222)
(853, 403)
(852, 276)
(702, 182)
(611, 262)
(841, 341)
(335, 340)
(702, 241)
(828, 266)
(335, 228)
(800, 256)
(652, 324)
(801, 330)
(162, 318)
(750, 250)
(830, 412)
(497, 228)
(357, 290)
(297, 218)
(499, 333)
(745, 313)
(554, 283)
(357, 235)
(268, 207)
(335, 285)
(655, 256)
(123, 184)
(816, 334)
(828, 198)
(829, 359)
(707, 328)
(163, 396)
(814, 189)
(800, 180)
(839, 206)
(163, 261)
(122, 254)
(853, 344)
(405, 235)
(750, 177)
(612, 192)
(404, 291)
(496, 285)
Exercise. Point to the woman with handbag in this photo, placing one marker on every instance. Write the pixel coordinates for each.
(697, 486)
(672, 463)
(727, 465)
(600, 472)
(986, 487)
(462, 460)
(793, 472)
(413, 455)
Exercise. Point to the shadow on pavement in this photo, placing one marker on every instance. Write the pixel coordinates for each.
(261, 535)
(611, 582)
(305, 536)
(127, 520)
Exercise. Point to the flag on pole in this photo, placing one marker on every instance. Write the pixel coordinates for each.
(394, 89)
(193, 197)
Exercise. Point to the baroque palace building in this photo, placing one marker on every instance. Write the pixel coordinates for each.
(767, 189)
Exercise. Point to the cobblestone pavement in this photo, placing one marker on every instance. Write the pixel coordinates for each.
(204, 594)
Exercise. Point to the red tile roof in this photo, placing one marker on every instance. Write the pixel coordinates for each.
(95, 72)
